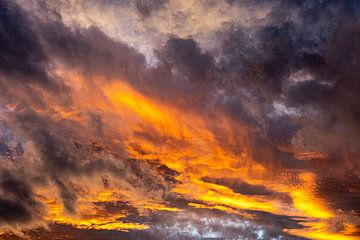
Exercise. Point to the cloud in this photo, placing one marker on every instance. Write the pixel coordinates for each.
(21, 53)
(17, 202)
(143, 103)
(146, 7)
(239, 186)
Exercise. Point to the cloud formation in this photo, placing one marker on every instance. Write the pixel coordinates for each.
(225, 119)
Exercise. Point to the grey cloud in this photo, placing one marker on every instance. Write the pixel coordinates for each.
(239, 186)
(146, 7)
(17, 202)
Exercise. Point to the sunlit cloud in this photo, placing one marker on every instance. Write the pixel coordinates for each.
(176, 119)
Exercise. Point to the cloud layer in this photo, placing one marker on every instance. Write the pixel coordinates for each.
(225, 119)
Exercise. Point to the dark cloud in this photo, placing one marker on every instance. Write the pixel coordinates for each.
(239, 186)
(21, 52)
(13, 212)
(343, 65)
(310, 92)
(263, 61)
(116, 207)
(92, 52)
(152, 175)
(5, 150)
(342, 192)
(23, 58)
(146, 7)
(282, 130)
(185, 57)
(17, 203)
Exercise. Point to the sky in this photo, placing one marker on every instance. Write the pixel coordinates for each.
(179, 119)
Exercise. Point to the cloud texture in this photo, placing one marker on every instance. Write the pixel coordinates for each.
(190, 119)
